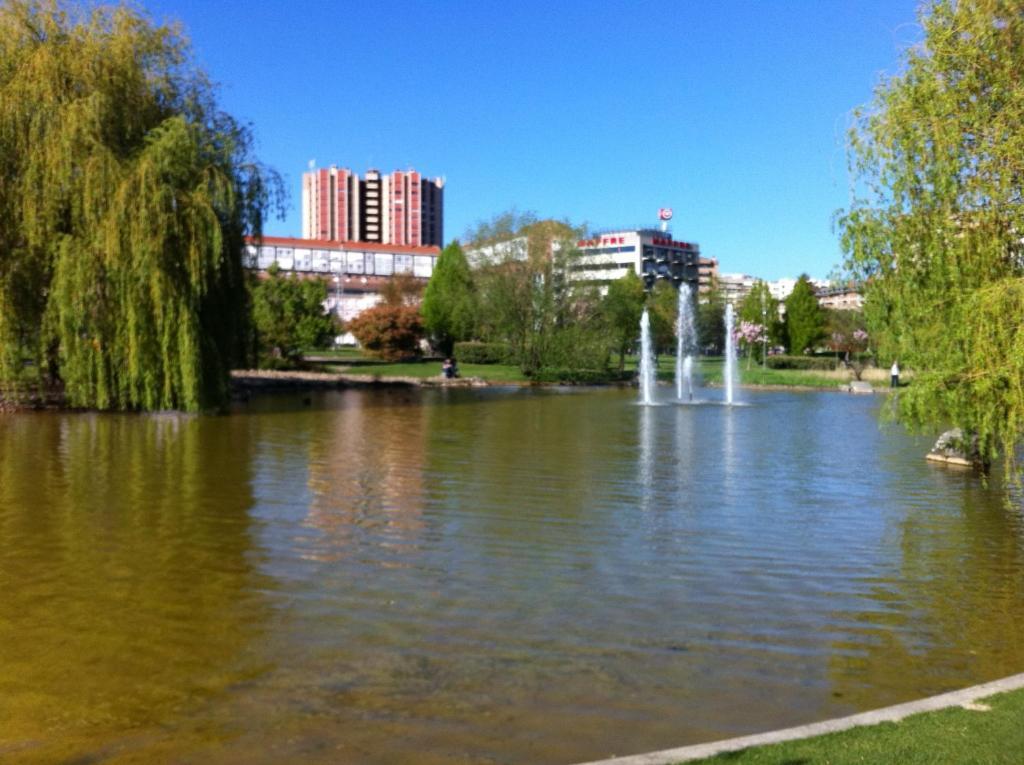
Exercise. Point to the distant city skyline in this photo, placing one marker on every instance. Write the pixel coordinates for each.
(732, 113)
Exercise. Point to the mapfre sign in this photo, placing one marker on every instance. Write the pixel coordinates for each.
(665, 213)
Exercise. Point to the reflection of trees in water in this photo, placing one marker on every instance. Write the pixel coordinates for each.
(953, 613)
(366, 474)
(524, 483)
(551, 452)
(128, 592)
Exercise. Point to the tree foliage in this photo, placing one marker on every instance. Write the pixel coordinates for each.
(289, 317)
(622, 307)
(390, 332)
(450, 302)
(711, 320)
(846, 332)
(402, 289)
(125, 194)
(663, 301)
(936, 224)
(805, 321)
(760, 307)
(528, 300)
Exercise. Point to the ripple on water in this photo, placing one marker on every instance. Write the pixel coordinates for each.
(443, 576)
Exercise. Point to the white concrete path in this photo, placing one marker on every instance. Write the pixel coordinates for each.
(967, 698)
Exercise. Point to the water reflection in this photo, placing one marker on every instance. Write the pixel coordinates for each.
(950, 607)
(443, 576)
(128, 589)
(648, 457)
(365, 466)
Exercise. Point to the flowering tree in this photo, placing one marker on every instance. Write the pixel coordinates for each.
(750, 336)
(846, 333)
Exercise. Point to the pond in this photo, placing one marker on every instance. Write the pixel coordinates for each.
(485, 576)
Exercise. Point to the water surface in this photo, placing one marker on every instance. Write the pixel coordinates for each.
(490, 576)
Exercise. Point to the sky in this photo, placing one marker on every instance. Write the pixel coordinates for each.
(733, 113)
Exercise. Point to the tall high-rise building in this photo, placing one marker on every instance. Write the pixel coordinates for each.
(402, 208)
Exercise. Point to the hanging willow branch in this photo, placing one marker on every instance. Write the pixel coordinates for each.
(937, 225)
(125, 196)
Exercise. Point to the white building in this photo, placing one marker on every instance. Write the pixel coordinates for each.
(651, 254)
(499, 252)
(356, 272)
(735, 287)
(780, 289)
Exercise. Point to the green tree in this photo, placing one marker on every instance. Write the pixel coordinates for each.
(805, 321)
(622, 307)
(711, 320)
(125, 196)
(759, 307)
(935, 231)
(449, 302)
(289, 317)
(528, 300)
(663, 302)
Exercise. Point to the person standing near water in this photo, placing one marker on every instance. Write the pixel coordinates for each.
(894, 375)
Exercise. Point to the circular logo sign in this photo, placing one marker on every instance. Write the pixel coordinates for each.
(665, 213)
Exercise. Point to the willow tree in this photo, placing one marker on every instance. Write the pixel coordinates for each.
(936, 225)
(125, 194)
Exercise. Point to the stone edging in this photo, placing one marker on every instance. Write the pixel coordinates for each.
(966, 697)
(266, 379)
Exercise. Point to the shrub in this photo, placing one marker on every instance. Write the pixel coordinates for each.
(390, 332)
(820, 363)
(484, 353)
(574, 376)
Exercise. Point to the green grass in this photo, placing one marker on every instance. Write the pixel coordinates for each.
(710, 369)
(494, 373)
(956, 736)
(799, 377)
(351, 361)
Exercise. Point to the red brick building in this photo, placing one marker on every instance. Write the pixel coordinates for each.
(402, 208)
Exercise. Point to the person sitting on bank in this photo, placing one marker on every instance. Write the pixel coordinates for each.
(894, 375)
(449, 369)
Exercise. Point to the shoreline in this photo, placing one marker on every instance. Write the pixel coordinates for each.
(969, 698)
(267, 379)
(245, 382)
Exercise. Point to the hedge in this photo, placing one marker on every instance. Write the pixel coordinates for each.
(820, 363)
(483, 353)
(575, 376)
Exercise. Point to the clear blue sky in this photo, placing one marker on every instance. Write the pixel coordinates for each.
(732, 112)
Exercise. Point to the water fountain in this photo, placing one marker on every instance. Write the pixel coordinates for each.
(686, 344)
(729, 371)
(647, 370)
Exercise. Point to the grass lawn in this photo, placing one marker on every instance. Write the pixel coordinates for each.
(710, 369)
(493, 373)
(955, 736)
(351, 361)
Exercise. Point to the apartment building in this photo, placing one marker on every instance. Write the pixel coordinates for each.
(402, 208)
